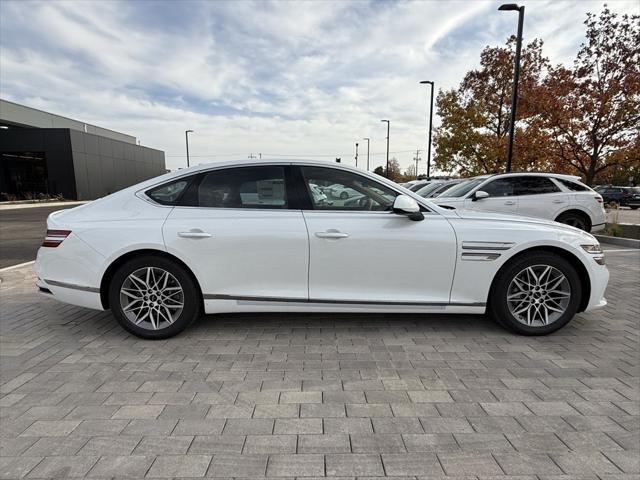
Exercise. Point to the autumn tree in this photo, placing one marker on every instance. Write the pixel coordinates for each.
(593, 110)
(475, 116)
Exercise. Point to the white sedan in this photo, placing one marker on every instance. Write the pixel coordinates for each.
(252, 237)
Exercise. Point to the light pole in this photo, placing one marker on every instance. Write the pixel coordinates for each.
(388, 129)
(186, 140)
(367, 139)
(516, 74)
(356, 154)
(430, 128)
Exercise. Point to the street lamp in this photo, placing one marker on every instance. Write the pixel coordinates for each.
(430, 128)
(388, 128)
(356, 154)
(367, 139)
(186, 139)
(516, 74)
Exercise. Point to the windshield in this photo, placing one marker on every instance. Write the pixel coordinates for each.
(463, 188)
(427, 189)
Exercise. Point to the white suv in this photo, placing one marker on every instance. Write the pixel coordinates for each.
(562, 198)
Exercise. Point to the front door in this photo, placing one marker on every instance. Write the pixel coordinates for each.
(235, 230)
(502, 197)
(360, 251)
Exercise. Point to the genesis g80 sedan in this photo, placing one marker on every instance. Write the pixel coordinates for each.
(253, 237)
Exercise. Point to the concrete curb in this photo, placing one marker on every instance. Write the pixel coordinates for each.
(14, 206)
(623, 242)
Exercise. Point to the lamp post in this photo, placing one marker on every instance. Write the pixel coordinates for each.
(430, 128)
(388, 129)
(367, 139)
(516, 74)
(186, 140)
(356, 154)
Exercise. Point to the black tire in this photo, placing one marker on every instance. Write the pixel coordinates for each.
(575, 219)
(190, 297)
(498, 305)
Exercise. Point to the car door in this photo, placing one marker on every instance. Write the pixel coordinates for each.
(234, 228)
(540, 197)
(502, 196)
(360, 251)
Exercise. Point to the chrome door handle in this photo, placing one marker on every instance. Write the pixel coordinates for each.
(194, 234)
(331, 234)
(509, 202)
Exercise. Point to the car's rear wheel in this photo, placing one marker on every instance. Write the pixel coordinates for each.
(575, 219)
(154, 297)
(536, 294)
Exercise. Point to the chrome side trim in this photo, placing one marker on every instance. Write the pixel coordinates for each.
(213, 296)
(487, 245)
(72, 286)
(479, 257)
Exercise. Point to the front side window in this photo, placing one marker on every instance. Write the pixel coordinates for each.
(501, 187)
(333, 189)
(246, 187)
(169, 193)
(535, 186)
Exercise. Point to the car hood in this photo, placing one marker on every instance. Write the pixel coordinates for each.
(508, 218)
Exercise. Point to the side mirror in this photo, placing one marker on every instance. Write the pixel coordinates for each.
(405, 205)
(479, 195)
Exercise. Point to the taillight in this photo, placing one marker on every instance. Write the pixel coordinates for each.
(55, 237)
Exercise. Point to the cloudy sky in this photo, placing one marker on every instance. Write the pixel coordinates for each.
(305, 78)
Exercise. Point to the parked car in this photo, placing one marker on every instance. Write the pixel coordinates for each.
(160, 253)
(436, 188)
(551, 196)
(418, 184)
(340, 191)
(616, 195)
(634, 201)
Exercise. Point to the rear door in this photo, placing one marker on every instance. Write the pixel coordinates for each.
(540, 197)
(235, 228)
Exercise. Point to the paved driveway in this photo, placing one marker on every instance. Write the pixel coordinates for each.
(319, 395)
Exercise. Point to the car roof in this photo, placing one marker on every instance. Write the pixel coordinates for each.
(574, 178)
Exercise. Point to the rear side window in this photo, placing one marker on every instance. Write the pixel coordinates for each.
(246, 187)
(573, 186)
(535, 186)
(169, 193)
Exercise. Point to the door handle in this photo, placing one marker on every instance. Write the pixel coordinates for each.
(331, 234)
(558, 201)
(195, 233)
(509, 202)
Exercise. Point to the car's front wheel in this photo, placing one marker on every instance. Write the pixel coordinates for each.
(154, 297)
(536, 294)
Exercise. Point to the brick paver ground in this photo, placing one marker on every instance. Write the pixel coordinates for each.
(319, 395)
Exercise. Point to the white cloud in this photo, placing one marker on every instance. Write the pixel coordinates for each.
(280, 77)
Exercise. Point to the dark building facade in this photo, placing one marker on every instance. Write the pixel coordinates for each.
(79, 162)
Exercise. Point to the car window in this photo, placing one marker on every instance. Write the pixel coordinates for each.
(573, 186)
(464, 187)
(342, 190)
(169, 193)
(535, 186)
(427, 189)
(246, 187)
(501, 187)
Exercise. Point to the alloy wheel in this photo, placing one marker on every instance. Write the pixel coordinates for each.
(151, 298)
(538, 295)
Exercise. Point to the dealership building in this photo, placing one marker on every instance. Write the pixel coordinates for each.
(47, 155)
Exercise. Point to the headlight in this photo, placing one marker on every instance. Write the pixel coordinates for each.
(593, 248)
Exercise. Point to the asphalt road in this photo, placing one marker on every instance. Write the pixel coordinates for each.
(21, 233)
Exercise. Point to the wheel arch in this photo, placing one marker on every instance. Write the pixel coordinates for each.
(577, 211)
(585, 280)
(121, 260)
